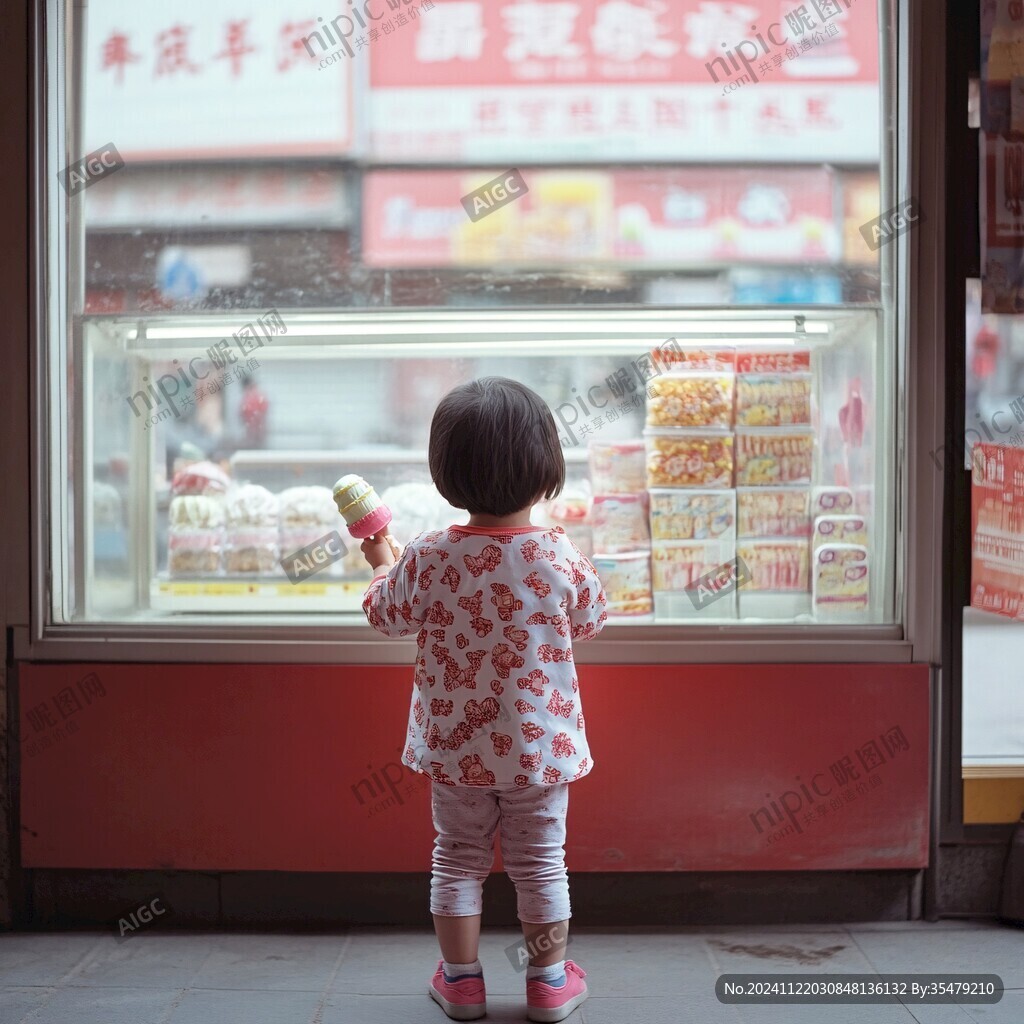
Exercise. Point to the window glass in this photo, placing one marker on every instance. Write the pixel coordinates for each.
(300, 227)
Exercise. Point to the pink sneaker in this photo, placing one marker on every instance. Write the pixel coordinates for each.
(462, 999)
(548, 1003)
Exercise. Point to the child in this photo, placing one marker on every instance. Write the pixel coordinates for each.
(496, 606)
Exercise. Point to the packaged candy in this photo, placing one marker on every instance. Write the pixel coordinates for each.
(626, 579)
(690, 400)
(677, 565)
(773, 400)
(773, 512)
(769, 456)
(831, 500)
(688, 458)
(841, 580)
(692, 515)
(840, 530)
(617, 467)
(779, 565)
(618, 522)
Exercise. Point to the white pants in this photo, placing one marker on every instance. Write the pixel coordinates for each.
(532, 820)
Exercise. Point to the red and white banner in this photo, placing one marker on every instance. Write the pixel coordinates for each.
(694, 80)
(212, 78)
(670, 217)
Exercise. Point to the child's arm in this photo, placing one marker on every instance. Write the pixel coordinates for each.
(392, 603)
(588, 614)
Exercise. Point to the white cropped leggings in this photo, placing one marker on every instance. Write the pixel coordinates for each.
(532, 820)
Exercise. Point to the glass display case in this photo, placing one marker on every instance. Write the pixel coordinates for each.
(723, 467)
(278, 288)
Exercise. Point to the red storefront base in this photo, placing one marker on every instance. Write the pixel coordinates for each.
(295, 768)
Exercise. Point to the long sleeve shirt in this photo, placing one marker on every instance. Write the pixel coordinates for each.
(496, 700)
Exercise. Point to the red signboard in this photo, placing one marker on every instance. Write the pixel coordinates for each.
(997, 519)
(660, 217)
(296, 768)
(694, 80)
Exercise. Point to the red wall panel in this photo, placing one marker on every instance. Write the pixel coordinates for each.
(269, 767)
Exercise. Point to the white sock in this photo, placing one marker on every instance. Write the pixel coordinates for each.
(455, 970)
(550, 973)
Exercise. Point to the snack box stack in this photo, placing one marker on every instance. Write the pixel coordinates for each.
(690, 448)
(619, 531)
(195, 534)
(774, 467)
(839, 549)
(252, 542)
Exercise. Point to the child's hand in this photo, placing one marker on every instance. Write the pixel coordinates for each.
(380, 551)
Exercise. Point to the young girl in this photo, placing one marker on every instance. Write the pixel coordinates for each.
(496, 606)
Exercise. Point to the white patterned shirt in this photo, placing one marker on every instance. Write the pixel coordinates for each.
(495, 701)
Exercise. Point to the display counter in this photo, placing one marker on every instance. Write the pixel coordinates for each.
(725, 470)
(786, 726)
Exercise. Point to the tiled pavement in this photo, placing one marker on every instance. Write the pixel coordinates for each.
(649, 976)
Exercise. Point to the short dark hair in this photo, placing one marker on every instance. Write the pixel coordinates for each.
(494, 447)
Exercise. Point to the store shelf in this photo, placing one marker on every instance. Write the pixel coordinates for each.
(257, 595)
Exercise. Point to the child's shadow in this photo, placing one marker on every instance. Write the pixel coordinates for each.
(505, 1010)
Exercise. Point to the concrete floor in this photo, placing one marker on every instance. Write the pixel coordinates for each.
(649, 976)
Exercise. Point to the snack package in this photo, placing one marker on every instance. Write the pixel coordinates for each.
(626, 579)
(773, 512)
(773, 400)
(688, 458)
(841, 580)
(251, 505)
(252, 549)
(570, 507)
(670, 357)
(308, 514)
(200, 478)
(840, 530)
(791, 360)
(779, 565)
(196, 512)
(618, 523)
(195, 535)
(194, 552)
(772, 456)
(690, 400)
(617, 467)
(831, 500)
(570, 511)
(252, 542)
(677, 565)
(302, 508)
(415, 509)
(692, 515)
